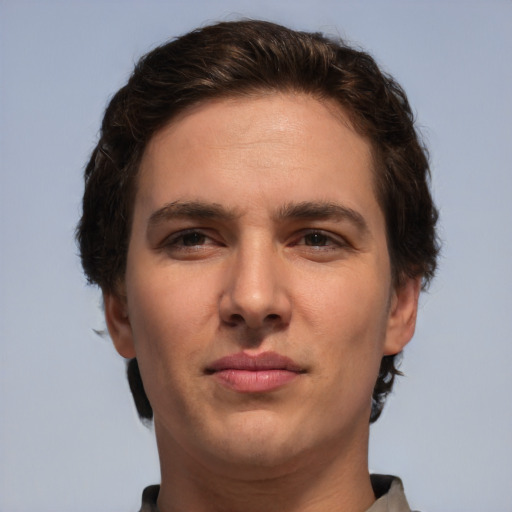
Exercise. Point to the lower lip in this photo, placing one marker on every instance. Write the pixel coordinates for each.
(255, 381)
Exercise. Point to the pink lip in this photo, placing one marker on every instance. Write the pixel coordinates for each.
(254, 374)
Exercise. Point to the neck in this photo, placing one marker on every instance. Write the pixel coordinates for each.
(327, 480)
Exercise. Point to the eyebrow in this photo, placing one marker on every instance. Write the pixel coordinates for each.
(320, 210)
(306, 210)
(191, 209)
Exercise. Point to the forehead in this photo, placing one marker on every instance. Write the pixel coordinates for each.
(274, 147)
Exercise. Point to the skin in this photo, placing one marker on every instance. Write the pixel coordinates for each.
(261, 275)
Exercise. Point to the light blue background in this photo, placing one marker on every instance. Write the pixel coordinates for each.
(69, 438)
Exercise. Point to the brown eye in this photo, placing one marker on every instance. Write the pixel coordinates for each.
(318, 239)
(188, 240)
(192, 244)
(193, 238)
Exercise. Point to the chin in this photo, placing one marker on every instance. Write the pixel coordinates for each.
(256, 442)
(254, 461)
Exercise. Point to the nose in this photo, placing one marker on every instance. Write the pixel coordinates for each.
(255, 293)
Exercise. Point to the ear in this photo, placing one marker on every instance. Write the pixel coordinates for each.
(402, 316)
(118, 324)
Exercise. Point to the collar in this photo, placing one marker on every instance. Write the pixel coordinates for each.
(388, 490)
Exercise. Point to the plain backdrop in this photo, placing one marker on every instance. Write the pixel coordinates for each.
(69, 437)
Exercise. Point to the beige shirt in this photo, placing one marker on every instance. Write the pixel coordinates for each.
(388, 490)
(390, 493)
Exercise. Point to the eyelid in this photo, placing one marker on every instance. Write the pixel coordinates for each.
(171, 240)
(187, 231)
(337, 239)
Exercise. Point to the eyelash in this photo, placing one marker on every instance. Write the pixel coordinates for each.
(328, 242)
(331, 241)
(174, 240)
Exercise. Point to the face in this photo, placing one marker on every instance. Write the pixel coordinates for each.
(258, 297)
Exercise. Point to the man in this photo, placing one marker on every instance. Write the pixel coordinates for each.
(258, 217)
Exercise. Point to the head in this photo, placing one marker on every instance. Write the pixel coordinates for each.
(248, 59)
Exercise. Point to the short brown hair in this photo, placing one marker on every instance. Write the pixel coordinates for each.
(242, 58)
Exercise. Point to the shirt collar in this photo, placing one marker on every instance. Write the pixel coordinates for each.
(388, 490)
(390, 495)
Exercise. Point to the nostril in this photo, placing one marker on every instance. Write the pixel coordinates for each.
(236, 318)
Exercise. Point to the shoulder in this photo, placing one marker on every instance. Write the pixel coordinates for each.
(390, 495)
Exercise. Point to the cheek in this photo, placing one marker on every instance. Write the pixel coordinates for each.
(343, 312)
(167, 302)
(170, 316)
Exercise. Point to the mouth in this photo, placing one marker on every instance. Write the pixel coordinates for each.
(260, 373)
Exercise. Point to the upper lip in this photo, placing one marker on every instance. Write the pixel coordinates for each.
(259, 362)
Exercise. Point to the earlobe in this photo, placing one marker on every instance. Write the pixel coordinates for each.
(402, 316)
(118, 324)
